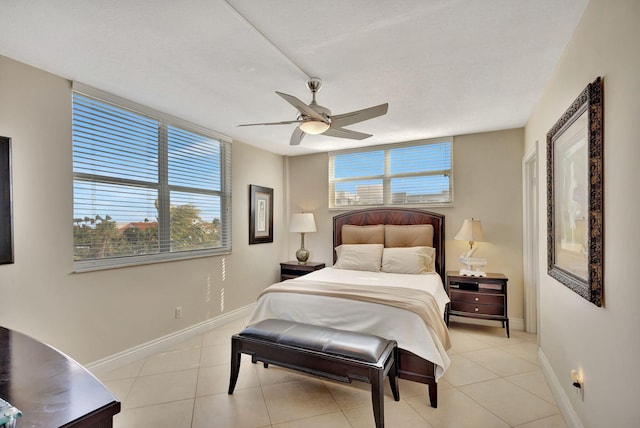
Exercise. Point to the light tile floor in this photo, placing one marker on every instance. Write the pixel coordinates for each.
(493, 382)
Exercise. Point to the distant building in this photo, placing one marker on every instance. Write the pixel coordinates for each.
(343, 198)
(140, 225)
(370, 194)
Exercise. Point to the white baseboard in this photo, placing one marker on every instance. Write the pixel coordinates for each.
(514, 323)
(112, 362)
(563, 402)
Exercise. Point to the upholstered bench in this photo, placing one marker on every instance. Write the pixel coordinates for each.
(335, 354)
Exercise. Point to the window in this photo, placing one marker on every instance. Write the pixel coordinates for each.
(146, 187)
(417, 173)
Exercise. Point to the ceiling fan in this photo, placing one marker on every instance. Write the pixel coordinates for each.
(316, 119)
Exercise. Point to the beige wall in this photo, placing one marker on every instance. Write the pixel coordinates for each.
(93, 315)
(601, 342)
(487, 185)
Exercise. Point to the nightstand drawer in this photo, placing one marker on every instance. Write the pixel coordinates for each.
(477, 309)
(476, 298)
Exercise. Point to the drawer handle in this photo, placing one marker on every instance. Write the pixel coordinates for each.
(477, 299)
(476, 309)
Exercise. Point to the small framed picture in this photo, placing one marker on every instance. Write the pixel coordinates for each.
(6, 220)
(260, 214)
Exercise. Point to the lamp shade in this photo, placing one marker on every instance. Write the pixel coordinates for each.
(302, 222)
(471, 231)
(314, 127)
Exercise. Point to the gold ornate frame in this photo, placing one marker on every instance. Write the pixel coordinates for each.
(575, 200)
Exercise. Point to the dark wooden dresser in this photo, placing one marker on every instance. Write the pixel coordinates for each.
(51, 389)
(478, 297)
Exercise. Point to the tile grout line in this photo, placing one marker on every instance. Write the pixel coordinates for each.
(481, 405)
(195, 393)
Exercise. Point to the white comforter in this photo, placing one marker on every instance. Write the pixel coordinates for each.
(406, 327)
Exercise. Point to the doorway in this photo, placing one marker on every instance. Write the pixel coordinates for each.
(530, 238)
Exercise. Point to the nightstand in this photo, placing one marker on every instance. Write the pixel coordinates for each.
(290, 270)
(478, 297)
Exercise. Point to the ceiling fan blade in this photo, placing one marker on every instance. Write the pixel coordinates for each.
(296, 137)
(284, 122)
(345, 133)
(302, 107)
(345, 119)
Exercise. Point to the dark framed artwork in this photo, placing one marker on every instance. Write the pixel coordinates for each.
(575, 200)
(260, 214)
(6, 220)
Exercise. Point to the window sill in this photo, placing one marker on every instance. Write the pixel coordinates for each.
(124, 262)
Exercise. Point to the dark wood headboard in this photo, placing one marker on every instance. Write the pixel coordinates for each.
(397, 216)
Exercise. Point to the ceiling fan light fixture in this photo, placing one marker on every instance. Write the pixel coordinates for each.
(316, 119)
(314, 127)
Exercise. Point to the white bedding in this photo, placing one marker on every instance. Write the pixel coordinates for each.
(407, 328)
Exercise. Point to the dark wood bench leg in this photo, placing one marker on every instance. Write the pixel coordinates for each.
(376, 378)
(235, 364)
(393, 376)
(433, 393)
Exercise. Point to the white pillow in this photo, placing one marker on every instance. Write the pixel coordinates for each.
(359, 257)
(411, 260)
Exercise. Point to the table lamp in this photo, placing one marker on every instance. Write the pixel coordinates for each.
(302, 223)
(471, 231)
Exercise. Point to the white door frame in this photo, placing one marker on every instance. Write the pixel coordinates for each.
(530, 236)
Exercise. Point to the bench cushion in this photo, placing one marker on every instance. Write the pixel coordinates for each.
(359, 346)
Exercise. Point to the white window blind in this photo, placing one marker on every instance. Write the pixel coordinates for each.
(147, 187)
(417, 173)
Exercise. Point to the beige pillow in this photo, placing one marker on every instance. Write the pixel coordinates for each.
(414, 235)
(367, 257)
(352, 234)
(411, 260)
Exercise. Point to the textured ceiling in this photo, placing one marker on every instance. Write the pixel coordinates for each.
(446, 67)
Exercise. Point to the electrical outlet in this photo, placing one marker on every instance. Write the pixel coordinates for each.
(578, 383)
(178, 312)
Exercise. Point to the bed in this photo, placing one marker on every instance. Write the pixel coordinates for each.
(352, 300)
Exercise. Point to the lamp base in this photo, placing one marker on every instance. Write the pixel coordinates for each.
(302, 255)
(469, 272)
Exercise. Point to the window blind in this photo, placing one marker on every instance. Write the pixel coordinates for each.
(416, 173)
(146, 188)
